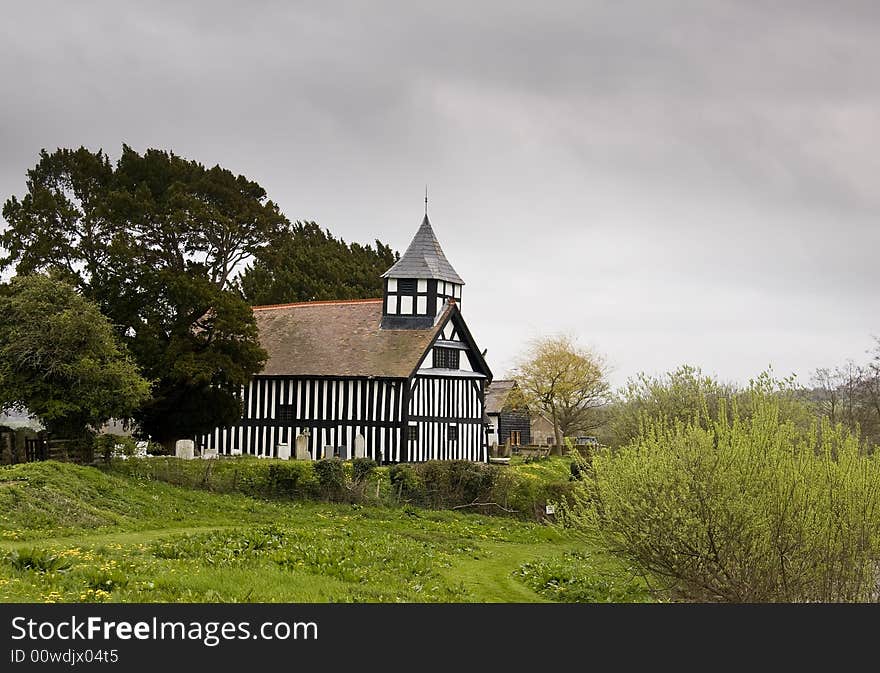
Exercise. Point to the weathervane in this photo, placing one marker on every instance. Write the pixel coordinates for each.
(426, 200)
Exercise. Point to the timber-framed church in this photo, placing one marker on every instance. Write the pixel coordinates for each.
(399, 376)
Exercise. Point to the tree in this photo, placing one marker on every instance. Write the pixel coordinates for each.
(157, 241)
(826, 392)
(744, 508)
(687, 395)
(872, 390)
(307, 263)
(60, 359)
(567, 382)
(851, 395)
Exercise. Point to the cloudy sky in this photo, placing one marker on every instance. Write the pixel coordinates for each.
(669, 181)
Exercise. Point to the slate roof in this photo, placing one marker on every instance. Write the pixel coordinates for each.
(424, 258)
(339, 338)
(496, 395)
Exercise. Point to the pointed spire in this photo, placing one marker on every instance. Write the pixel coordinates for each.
(424, 258)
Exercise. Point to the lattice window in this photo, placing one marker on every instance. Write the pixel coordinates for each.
(446, 358)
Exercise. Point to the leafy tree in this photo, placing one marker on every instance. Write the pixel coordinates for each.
(567, 382)
(60, 358)
(307, 263)
(690, 396)
(741, 508)
(157, 241)
(685, 394)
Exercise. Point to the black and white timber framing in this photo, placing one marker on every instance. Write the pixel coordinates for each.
(411, 385)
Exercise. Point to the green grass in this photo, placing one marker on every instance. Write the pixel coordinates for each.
(76, 534)
(549, 469)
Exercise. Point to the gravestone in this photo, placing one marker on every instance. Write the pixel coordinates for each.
(359, 446)
(302, 447)
(328, 451)
(344, 453)
(284, 451)
(209, 453)
(235, 452)
(184, 448)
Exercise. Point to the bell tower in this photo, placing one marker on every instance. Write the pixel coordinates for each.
(418, 286)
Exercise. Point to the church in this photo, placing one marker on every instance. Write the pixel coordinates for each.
(399, 379)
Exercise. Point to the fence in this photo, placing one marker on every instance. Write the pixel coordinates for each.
(32, 449)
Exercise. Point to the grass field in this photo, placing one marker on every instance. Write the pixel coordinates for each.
(76, 534)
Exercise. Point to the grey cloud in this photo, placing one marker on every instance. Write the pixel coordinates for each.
(679, 180)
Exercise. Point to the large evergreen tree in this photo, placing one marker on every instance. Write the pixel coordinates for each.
(307, 263)
(157, 241)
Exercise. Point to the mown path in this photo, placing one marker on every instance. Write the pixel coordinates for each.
(490, 573)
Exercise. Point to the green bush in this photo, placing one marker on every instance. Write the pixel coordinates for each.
(435, 484)
(689, 396)
(362, 469)
(259, 478)
(288, 478)
(742, 508)
(405, 480)
(441, 484)
(114, 446)
(331, 477)
(157, 449)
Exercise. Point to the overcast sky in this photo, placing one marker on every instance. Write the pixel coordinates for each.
(670, 182)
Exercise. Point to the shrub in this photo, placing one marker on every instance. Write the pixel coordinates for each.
(441, 484)
(114, 446)
(251, 476)
(286, 478)
(689, 396)
(405, 480)
(157, 449)
(331, 477)
(740, 508)
(362, 469)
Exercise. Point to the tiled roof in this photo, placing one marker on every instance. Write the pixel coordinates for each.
(496, 395)
(338, 338)
(424, 258)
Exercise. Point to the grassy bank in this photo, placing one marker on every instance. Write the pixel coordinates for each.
(78, 534)
(520, 490)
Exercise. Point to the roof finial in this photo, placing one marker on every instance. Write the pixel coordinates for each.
(426, 200)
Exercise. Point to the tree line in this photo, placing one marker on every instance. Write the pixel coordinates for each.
(163, 258)
(850, 394)
(568, 383)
